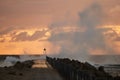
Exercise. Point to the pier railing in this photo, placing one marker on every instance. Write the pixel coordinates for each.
(75, 70)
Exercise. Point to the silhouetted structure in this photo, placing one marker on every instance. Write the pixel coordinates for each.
(44, 51)
(75, 70)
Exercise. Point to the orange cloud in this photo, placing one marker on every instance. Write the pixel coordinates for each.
(20, 22)
(112, 39)
(31, 34)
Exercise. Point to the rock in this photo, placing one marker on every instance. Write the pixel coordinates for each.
(12, 73)
(19, 65)
(22, 65)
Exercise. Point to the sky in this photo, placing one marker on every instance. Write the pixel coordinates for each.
(74, 28)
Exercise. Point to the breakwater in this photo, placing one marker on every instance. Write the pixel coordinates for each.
(76, 70)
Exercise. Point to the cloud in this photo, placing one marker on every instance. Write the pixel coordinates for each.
(117, 39)
(91, 41)
(76, 27)
(31, 34)
(21, 37)
(24, 36)
(2, 40)
(37, 35)
(111, 11)
(112, 32)
(6, 30)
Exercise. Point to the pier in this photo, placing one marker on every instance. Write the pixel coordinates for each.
(54, 69)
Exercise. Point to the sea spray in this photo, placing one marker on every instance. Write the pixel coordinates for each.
(10, 60)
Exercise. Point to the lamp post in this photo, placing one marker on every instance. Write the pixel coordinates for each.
(44, 51)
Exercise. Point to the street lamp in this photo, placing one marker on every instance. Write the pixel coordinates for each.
(44, 51)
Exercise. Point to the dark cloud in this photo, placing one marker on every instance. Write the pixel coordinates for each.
(37, 35)
(3, 40)
(6, 30)
(117, 38)
(23, 36)
(111, 34)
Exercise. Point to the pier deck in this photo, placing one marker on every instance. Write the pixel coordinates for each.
(42, 71)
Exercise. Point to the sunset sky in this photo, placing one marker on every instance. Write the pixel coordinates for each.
(63, 27)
